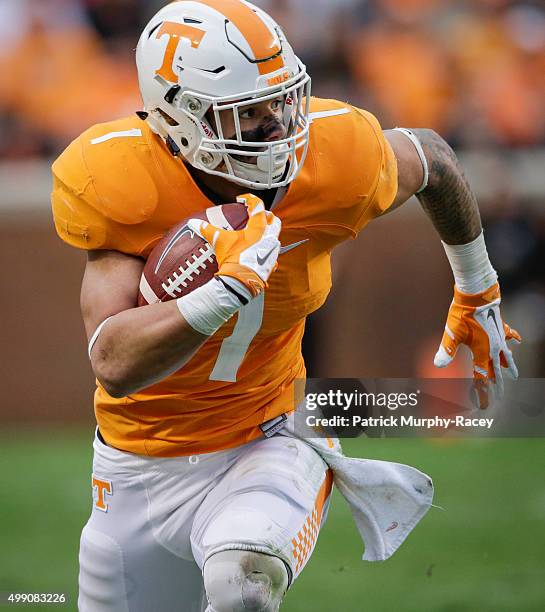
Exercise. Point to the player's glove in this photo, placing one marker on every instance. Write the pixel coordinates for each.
(249, 255)
(475, 320)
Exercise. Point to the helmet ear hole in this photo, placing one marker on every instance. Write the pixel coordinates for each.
(172, 93)
(167, 118)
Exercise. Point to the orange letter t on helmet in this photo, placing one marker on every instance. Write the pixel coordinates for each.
(175, 31)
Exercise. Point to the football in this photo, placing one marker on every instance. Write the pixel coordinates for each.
(182, 261)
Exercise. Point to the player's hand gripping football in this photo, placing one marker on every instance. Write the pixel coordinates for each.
(475, 320)
(248, 255)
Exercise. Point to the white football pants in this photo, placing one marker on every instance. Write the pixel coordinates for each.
(156, 521)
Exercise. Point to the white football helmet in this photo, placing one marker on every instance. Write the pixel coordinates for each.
(202, 58)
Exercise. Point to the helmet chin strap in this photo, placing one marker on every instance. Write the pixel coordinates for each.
(259, 172)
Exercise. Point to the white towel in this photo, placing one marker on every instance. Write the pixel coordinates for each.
(386, 499)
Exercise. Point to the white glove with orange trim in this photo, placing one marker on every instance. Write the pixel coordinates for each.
(475, 320)
(249, 255)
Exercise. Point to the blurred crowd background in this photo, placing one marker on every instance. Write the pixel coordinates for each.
(474, 70)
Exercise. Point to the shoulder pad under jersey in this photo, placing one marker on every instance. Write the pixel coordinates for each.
(355, 175)
(112, 168)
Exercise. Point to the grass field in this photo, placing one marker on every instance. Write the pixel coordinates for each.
(485, 552)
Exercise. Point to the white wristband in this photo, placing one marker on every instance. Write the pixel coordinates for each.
(207, 308)
(473, 272)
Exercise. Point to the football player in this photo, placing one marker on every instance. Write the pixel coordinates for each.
(200, 501)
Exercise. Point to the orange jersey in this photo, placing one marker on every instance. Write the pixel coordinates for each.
(119, 187)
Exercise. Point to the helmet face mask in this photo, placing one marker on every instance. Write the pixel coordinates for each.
(207, 104)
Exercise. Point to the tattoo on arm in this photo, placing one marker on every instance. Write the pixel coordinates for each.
(448, 199)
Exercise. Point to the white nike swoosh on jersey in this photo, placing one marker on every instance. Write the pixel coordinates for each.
(289, 247)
